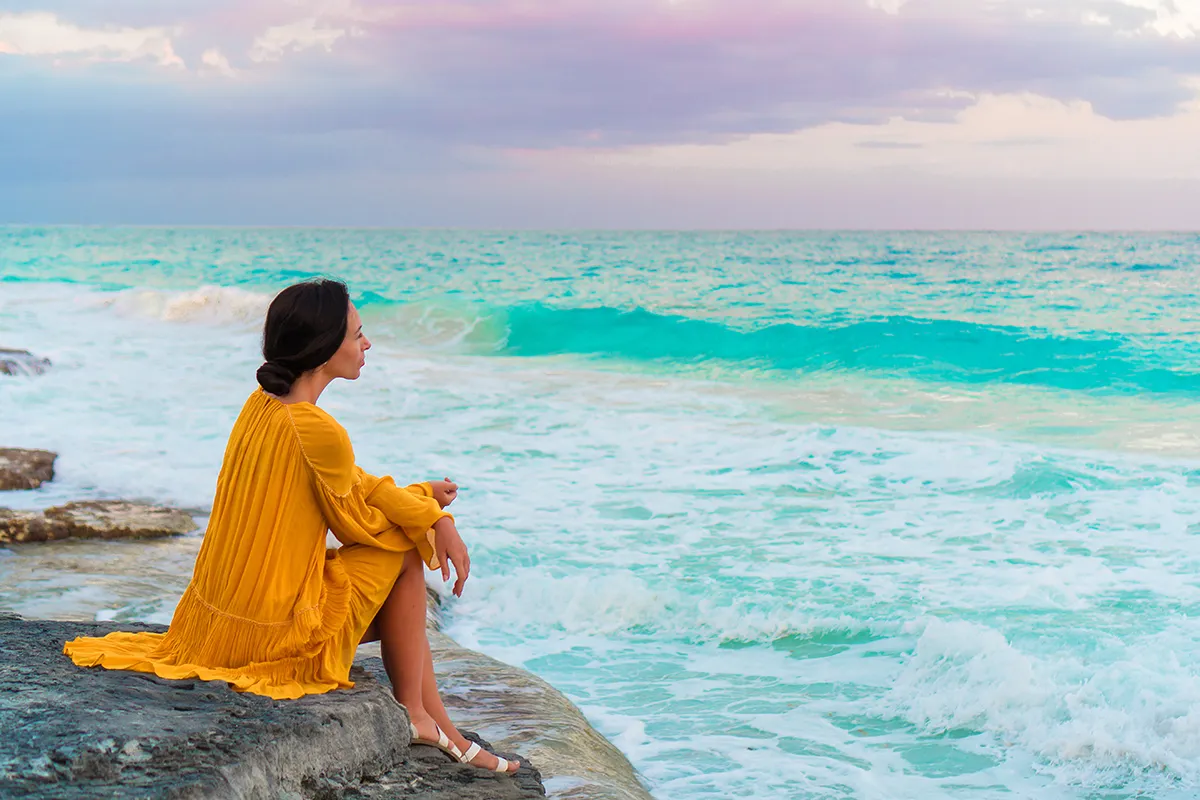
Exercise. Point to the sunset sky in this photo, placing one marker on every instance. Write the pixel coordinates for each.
(603, 113)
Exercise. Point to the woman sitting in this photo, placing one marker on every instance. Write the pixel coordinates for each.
(269, 609)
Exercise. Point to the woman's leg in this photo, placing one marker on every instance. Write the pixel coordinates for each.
(400, 625)
(433, 704)
(404, 646)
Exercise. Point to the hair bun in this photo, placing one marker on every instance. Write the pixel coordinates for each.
(305, 327)
(276, 378)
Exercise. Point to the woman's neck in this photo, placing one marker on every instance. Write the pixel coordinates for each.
(307, 388)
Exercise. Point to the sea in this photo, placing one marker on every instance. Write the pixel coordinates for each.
(788, 515)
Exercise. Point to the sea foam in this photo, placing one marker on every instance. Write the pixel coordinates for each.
(769, 519)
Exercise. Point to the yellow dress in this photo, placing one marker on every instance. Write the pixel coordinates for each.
(269, 609)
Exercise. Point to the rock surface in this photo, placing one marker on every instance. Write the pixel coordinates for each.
(72, 733)
(94, 519)
(25, 469)
(518, 711)
(21, 362)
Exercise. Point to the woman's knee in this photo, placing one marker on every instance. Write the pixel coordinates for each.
(413, 567)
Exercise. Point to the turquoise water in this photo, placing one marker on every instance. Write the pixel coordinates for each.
(788, 515)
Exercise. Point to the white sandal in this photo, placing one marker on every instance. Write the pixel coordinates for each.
(443, 742)
(475, 749)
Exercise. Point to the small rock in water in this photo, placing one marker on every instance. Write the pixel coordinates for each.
(25, 469)
(26, 526)
(21, 362)
(94, 519)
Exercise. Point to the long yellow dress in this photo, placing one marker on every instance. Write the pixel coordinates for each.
(269, 609)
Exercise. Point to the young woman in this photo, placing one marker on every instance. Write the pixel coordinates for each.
(271, 611)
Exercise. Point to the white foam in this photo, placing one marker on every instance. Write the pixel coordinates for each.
(630, 532)
(1095, 721)
(211, 305)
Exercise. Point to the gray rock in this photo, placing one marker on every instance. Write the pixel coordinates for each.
(94, 519)
(25, 469)
(519, 711)
(21, 362)
(76, 734)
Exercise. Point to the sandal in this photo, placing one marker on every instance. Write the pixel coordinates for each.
(443, 742)
(475, 749)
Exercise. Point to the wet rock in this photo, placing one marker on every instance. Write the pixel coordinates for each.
(25, 469)
(72, 733)
(26, 526)
(94, 519)
(21, 362)
(520, 712)
(118, 519)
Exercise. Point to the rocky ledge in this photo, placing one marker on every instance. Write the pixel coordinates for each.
(71, 733)
(519, 711)
(25, 469)
(21, 362)
(94, 519)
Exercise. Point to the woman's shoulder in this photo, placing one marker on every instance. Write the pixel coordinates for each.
(309, 412)
(321, 436)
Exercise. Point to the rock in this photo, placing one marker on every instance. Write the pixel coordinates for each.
(119, 519)
(73, 733)
(519, 711)
(21, 362)
(25, 469)
(27, 526)
(94, 519)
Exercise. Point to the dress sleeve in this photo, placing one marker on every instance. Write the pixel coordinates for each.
(413, 508)
(361, 508)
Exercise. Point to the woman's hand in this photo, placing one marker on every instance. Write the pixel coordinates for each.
(451, 549)
(444, 491)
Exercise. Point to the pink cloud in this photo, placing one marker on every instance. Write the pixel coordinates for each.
(441, 78)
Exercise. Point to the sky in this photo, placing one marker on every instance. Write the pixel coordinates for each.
(854, 114)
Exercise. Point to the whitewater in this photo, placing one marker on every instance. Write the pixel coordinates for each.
(787, 515)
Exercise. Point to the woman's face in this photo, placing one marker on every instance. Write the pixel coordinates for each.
(348, 361)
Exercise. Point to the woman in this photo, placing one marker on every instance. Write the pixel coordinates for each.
(271, 611)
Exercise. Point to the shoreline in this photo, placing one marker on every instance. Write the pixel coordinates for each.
(520, 712)
(154, 737)
(510, 706)
(506, 705)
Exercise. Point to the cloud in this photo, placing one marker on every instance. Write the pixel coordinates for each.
(873, 144)
(214, 62)
(1009, 137)
(44, 34)
(613, 72)
(277, 40)
(456, 87)
(589, 74)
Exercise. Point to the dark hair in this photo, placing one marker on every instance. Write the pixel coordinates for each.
(306, 324)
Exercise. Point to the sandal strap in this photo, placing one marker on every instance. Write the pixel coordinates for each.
(443, 742)
(472, 751)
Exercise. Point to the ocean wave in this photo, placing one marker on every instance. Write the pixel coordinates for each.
(939, 350)
(620, 602)
(935, 349)
(213, 305)
(1104, 722)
